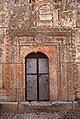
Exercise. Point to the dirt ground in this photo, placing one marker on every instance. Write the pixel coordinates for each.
(42, 115)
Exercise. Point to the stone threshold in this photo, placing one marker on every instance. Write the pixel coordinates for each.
(35, 106)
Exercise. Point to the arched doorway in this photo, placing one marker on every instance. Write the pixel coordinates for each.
(37, 77)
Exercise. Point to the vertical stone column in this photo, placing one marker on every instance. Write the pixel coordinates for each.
(1, 42)
(67, 68)
(1, 57)
(77, 37)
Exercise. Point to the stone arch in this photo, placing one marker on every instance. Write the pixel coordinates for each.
(41, 3)
(49, 17)
(36, 52)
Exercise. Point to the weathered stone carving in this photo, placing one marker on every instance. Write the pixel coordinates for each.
(68, 19)
(50, 27)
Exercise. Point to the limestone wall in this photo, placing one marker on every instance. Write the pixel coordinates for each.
(33, 26)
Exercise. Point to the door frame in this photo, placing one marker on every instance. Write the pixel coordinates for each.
(52, 52)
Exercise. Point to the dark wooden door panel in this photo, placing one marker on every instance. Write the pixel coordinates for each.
(43, 65)
(37, 77)
(31, 66)
(31, 87)
(43, 87)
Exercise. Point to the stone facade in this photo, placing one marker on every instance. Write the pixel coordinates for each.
(51, 27)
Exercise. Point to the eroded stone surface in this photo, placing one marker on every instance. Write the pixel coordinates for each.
(50, 27)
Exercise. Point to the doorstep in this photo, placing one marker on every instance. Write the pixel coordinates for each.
(35, 106)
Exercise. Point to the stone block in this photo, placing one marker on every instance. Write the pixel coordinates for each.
(35, 106)
(76, 106)
(8, 107)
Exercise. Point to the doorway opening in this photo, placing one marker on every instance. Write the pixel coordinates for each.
(37, 77)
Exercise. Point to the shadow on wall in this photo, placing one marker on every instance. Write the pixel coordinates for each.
(0, 107)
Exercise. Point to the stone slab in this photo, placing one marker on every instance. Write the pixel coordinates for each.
(34, 107)
(9, 107)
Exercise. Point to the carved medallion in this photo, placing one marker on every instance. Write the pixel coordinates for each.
(40, 39)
